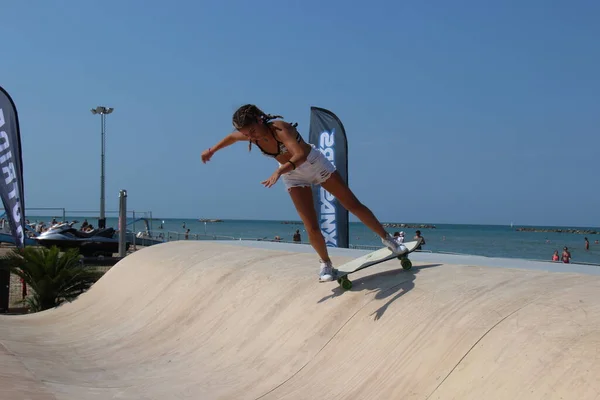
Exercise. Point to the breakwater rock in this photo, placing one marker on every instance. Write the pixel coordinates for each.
(291, 222)
(567, 230)
(210, 220)
(409, 226)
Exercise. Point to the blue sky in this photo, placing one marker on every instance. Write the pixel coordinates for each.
(464, 111)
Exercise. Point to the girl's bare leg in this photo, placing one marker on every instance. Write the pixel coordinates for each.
(303, 201)
(338, 188)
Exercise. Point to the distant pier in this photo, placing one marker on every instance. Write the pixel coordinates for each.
(559, 230)
(408, 226)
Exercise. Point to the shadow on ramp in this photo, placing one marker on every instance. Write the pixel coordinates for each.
(377, 282)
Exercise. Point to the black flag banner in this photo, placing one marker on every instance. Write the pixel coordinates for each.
(328, 135)
(11, 165)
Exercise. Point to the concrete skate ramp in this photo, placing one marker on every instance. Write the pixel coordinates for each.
(203, 320)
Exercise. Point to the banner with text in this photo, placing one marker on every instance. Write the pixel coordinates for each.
(11, 165)
(328, 135)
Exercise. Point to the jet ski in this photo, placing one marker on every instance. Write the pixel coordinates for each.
(94, 243)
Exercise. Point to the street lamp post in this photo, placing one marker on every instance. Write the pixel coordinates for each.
(103, 111)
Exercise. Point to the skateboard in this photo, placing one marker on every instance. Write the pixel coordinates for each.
(373, 258)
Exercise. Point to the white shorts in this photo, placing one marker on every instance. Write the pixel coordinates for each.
(315, 170)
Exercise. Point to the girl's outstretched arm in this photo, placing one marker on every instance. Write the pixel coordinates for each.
(226, 141)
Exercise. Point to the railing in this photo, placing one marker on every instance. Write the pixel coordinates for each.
(167, 236)
(89, 214)
(63, 211)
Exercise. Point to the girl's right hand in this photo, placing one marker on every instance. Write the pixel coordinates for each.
(206, 155)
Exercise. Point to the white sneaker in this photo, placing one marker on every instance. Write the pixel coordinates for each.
(326, 272)
(394, 246)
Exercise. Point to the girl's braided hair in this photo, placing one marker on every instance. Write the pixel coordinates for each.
(249, 114)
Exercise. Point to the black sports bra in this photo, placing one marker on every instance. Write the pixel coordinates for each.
(281, 149)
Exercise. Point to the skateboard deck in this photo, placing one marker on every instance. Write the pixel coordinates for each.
(374, 258)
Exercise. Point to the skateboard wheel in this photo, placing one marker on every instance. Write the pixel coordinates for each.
(406, 263)
(339, 281)
(346, 284)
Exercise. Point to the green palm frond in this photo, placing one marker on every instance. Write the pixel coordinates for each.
(53, 277)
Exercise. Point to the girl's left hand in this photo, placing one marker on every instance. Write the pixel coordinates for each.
(272, 180)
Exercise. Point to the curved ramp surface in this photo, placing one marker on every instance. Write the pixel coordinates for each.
(204, 320)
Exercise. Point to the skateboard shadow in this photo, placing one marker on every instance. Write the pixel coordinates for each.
(376, 283)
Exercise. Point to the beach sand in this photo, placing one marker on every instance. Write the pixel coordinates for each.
(240, 320)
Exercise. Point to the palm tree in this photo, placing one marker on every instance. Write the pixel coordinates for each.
(53, 277)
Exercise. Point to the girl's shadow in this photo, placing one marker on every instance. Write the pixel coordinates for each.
(401, 282)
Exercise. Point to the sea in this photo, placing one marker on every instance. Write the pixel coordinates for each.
(484, 240)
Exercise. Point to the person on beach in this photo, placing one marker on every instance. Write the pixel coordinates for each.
(301, 165)
(297, 237)
(399, 237)
(555, 256)
(421, 238)
(566, 256)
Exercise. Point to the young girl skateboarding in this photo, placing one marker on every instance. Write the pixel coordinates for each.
(300, 165)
